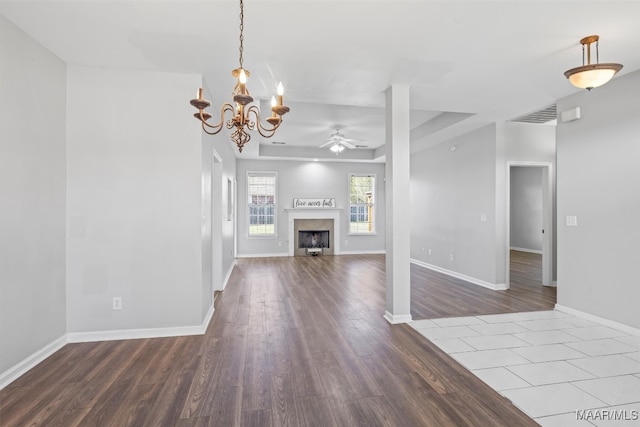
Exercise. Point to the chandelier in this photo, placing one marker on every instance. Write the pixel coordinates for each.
(244, 117)
(591, 75)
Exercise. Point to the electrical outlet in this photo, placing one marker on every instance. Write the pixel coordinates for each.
(117, 303)
(279, 242)
(451, 257)
(429, 252)
(483, 217)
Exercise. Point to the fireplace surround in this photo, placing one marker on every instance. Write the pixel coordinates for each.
(325, 219)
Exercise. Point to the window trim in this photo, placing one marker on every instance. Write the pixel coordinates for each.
(373, 205)
(248, 235)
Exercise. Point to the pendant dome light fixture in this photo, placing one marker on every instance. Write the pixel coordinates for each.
(591, 75)
(244, 117)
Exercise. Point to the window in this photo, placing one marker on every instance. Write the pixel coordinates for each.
(261, 190)
(362, 199)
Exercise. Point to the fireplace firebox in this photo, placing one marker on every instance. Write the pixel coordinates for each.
(308, 239)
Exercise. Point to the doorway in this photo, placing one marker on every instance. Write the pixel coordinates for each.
(529, 227)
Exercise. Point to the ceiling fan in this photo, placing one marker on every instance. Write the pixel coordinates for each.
(337, 142)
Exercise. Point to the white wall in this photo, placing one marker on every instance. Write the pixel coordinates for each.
(526, 208)
(134, 159)
(32, 196)
(298, 179)
(599, 183)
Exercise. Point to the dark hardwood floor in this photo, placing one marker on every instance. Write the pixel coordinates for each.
(435, 295)
(293, 341)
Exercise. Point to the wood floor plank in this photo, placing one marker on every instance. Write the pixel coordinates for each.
(293, 342)
(283, 402)
(257, 418)
(225, 406)
(194, 422)
(257, 376)
(316, 411)
(140, 400)
(203, 385)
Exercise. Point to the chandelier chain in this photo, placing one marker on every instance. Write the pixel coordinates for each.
(241, 30)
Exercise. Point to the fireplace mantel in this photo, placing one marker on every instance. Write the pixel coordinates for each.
(311, 213)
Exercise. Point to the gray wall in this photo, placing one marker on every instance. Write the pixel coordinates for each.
(297, 179)
(522, 142)
(450, 190)
(32, 196)
(599, 183)
(101, 202)
(134, 166)
(526, 208)
(218, 228)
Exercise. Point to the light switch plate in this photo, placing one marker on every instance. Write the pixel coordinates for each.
(572, 221)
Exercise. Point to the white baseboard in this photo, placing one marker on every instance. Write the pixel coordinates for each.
(228, 275)
(395, 319)
(31, 361)
(531, 251)
(132, 334)
(606, 322)
(475, 281)
(379, 252)
(16, 371)
(276, 255)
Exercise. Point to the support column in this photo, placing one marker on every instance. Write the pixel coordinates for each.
(397, 133)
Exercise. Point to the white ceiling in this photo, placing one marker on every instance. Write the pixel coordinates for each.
(468, 63)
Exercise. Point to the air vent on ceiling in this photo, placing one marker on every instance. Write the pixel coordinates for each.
(542, 116)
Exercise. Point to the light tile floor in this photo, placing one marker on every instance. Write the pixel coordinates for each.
(560, 369)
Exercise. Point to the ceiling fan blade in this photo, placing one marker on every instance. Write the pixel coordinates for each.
(347, 144)
(326, 144)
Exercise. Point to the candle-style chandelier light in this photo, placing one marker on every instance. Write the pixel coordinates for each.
(242, 113)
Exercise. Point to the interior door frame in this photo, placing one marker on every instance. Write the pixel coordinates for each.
(217, 216)
(547, 219)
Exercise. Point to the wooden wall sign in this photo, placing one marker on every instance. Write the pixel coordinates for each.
(314, 203)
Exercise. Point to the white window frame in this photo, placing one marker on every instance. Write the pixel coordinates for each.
(372, 205)
(275, 206)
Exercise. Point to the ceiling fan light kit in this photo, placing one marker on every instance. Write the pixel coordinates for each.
(243, 117)
(337, 142)
(337, 148)
(591, 75)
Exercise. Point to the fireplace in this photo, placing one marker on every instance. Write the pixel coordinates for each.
(313, 237)
(309, 219)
